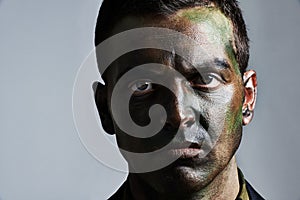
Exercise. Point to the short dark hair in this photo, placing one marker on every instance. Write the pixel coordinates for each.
(112, 10)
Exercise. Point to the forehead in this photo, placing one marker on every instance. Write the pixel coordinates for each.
(199, 23)
(206, 23)
(208, 26)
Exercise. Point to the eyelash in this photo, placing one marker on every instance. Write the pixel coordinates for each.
(140, 83)
(217, 79)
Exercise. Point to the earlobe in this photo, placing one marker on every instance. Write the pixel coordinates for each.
(250, 94)
(101, 101)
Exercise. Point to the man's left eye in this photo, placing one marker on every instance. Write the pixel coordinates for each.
(141, 87)
(207, 81)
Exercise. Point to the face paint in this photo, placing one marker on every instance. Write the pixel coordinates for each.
(215, 24)
(234, 120)
(231, 56)
(217, 110)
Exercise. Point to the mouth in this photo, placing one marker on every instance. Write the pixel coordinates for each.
(185, 150)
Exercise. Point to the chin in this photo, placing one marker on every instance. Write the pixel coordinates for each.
(179, 179)
(190, 179)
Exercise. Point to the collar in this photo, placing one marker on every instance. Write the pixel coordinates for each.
(243, 193)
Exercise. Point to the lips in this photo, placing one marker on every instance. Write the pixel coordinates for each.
(185, 153)
(185, 150)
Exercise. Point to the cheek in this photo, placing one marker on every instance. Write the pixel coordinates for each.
(233, 119)
(224, 111)
(234, 111)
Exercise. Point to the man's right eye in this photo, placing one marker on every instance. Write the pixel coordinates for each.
(141, 87)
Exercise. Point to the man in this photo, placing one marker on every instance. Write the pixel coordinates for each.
(206, 103)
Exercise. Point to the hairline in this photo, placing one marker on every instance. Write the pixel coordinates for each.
(240, 38)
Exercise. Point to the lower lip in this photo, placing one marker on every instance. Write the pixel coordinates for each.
(185, 153)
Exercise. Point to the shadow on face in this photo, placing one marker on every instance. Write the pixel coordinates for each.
(203, 105)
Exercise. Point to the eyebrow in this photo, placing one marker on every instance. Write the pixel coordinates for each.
(222, 63)
(187, 69)
(218, 63)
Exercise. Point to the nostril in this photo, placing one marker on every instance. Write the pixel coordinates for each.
(188, 122)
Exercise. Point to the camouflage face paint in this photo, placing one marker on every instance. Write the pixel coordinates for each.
(219, 29)
(219, 108)
(213, 22)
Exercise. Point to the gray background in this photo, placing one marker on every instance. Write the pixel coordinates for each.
(43, 43)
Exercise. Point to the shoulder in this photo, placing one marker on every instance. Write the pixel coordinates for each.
(252, 193)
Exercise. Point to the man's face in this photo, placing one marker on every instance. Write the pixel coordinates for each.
(209, 98)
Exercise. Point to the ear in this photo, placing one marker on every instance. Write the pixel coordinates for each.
(101, 101)
(250, 93)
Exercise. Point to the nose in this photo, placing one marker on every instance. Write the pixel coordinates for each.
(185, 108)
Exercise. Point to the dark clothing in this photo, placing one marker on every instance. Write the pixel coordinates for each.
(253, 195)
(246, 191)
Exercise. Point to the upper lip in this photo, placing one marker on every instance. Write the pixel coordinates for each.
(185, 150)
(186, 145)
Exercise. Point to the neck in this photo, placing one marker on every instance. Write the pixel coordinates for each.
(225, 186)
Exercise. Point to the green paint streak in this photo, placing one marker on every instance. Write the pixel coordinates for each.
(234, 120)
(199, 14)
(217, 26)
(231, 55)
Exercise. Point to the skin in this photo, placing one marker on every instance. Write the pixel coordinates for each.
(219, 101)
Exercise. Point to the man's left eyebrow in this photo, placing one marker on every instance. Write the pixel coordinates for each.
(222, 63)
(217, 62)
